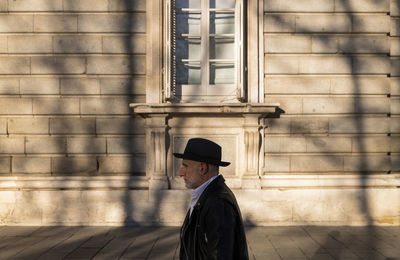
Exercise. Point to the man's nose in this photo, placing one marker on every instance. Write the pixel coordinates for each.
(181, 172)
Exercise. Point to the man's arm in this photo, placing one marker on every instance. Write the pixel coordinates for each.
(220, 230)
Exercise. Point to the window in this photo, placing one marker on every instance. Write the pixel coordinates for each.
(204, 51)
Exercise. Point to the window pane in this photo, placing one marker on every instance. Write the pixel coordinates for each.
(188, 4)
(188, 23)
(222, 3)
(222, 73)
(188, 73)
(188, 48)
(222, 23)
(222, 48)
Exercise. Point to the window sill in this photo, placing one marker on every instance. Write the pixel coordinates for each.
(225, 109)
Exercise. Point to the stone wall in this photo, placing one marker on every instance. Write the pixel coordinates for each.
(68, 71)
(72, 152)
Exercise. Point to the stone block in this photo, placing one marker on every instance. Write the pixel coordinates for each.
(15, 106)
(77, 44)
(116, 125)
(362, 6)
(394, 46)
(316, 163)
(45, 145)
(122, 5)
(14, 65)
(39, 86)
(291, 105)
(3, 44)
(122, 145)
(3, 126)
(394, 86)
(74, 165)
(133, 86)
(360, 85)
(395, 163)
(346, 105)
(325, 65)
(395, 124)
(309, 125)
(116, 65)
(394, 144)
(35, 5)
(85, 5)
(277, 125)
(277, 164)
(395, 106)
(12, 145)
(324, 44)
(371, 65)
(124, 44)
(372, 144)
(328, 105)
(299, 6)
(9, 86)
(395, 67)
(366, 163)
(287, 44)
(112, 23)
(285, 144)
(358, 125)
(333, 23)
(80, 86)
(16, 23)
(75, 125)
(122, 164)
(371, 23)
(320, 144)
(55, 106)
(56, 23)
(363, 44)
(279, 23)
(5, 165)
(395, 7)
(281, 65)
(30, 165)
(3, 6)
(395, 27)
(86, 145)
(35, 125)
(30, 44)
(58, 65)
(297, 85)
(115, 105)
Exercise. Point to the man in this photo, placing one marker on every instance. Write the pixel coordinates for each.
(213, 227)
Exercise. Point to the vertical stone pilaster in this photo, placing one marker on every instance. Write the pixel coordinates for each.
(156, 151)
(252, 141)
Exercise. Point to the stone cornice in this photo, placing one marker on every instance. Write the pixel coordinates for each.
(221, 109)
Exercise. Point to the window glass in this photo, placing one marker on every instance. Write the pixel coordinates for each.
(222, 73)
(188, 48)
(222, 3)
(188, 73)
(196, 4)
(222, 47)
(188, 23)
(222, 23)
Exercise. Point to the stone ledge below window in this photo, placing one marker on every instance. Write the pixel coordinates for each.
(184, 109)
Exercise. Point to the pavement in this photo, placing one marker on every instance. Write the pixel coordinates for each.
(296, 242)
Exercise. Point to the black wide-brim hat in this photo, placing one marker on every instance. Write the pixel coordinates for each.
(202, 150)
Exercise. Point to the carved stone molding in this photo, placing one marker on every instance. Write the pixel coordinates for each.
(238, 128)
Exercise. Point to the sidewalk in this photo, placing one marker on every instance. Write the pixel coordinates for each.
(308, 242)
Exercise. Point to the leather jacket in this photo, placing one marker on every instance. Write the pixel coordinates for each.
(215, 228)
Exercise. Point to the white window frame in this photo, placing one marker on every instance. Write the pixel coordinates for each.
(169, 69)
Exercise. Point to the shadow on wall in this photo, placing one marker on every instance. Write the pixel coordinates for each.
(351, 51)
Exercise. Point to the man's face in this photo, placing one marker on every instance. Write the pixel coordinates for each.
(191, 173)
